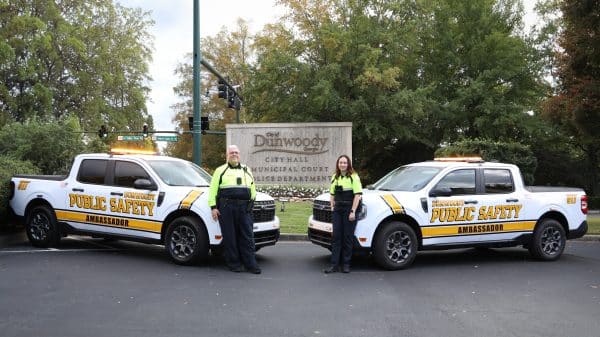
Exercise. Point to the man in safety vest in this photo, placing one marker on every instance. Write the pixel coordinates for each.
(231, 197)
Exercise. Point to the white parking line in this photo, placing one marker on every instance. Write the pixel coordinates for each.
(54, 250)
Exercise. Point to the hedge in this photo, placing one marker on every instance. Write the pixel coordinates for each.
(8, 168)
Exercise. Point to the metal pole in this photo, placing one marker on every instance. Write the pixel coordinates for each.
(197, 144)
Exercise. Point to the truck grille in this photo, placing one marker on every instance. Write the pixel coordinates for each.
(263, 211)
(320, 238)
(322, 211)
(266, 238)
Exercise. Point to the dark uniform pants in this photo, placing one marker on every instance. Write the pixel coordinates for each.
(343, 237)
(237, 229)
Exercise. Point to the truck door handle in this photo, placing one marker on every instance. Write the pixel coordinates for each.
(512, 200)
(77, 189)
(117, 193)
(470, 201)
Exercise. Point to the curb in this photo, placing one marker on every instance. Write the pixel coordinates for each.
(293, 237)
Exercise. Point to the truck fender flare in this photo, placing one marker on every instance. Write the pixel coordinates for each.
(179, 213)
(403, 218)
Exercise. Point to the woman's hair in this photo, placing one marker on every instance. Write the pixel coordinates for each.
(349, 170)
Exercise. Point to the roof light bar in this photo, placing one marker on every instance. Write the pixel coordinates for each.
(121, 150)
(472, 159)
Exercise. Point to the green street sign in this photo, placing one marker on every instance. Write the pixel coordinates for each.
(165, 138)
(130, 138)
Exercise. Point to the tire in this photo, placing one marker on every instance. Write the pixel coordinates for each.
(41, 227)
(395, 246)
(548, 242)
(186, 241)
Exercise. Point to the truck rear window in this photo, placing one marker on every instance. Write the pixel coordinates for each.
(498, 181)
(92, 171)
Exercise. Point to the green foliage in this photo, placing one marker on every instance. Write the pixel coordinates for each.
(8, 168)
(512, 153)
(409, 75)
(594, 203)
(575, 107)
(50, 146)
(74, 58)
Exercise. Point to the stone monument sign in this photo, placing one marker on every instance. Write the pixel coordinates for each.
(291, 153)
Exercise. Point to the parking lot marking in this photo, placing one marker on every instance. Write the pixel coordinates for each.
(54, 250)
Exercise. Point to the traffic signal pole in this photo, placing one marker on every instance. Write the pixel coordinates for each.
(197, 132)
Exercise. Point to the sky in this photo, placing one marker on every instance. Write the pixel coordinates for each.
(174, 38)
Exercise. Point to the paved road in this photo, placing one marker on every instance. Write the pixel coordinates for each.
(96, 288)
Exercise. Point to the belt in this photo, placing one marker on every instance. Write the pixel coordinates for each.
(234, 201)
(343, 202)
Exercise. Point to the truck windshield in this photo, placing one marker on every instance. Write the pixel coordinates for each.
(180, 173)
(407, 178)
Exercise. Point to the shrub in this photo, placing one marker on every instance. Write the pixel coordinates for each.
(8, 168)
(594, 203)
(286, 191)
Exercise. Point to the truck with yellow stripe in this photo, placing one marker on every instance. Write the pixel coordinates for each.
(145, 198)
(455, 203)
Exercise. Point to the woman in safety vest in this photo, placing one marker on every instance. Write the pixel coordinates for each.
(346, 192)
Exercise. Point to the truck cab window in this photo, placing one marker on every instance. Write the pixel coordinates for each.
(459, 182)
(92, 171)
(498, 181)
(127, 173)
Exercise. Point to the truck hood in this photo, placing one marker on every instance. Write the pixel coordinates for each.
(371, 197)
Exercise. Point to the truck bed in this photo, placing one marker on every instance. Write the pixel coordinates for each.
(539, 189)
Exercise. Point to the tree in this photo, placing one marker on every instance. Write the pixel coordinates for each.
(59, 142)
(575, 107)
(410, 75)
(74, 58)
(228, 52)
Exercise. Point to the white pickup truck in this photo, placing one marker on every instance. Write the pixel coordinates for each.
(145, 198)
(455, 203)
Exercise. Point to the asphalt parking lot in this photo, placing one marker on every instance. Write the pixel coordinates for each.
(91, 287)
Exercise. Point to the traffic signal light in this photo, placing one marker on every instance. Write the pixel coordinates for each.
(204, 123)
(223, 90)
(145, 131)
(103, 133)
(191, 122)
(230, 98)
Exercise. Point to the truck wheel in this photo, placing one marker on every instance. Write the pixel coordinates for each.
(395, 246)
(186, 241)
(41, 227)
(548, 240)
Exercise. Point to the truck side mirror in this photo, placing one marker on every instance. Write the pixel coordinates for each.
(144, 184)
(440, 192)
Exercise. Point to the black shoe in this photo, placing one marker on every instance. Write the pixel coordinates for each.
(331, 269)
(346, 269)
(254, 270)
(237, 269)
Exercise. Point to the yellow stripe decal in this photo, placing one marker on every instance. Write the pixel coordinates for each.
(393, 203)
(190, 198)
(111, 221)
(481, 228)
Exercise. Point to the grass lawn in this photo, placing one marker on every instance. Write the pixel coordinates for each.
(593, 225)
(294, 220)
